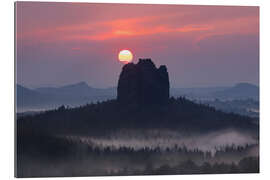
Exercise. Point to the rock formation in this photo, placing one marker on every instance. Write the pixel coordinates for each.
(143, 83)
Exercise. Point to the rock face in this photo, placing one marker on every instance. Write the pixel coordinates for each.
(143, 84)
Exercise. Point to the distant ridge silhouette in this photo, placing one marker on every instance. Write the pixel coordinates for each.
(239, 91)
(81, 93)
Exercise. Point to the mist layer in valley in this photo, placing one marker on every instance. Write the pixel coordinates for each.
(128, 153)
(164, 139)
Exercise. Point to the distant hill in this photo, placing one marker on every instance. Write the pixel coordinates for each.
(81, 93)
(196, 92)
(239, 91)
(76, 90)
(26, 97)
(51, 97)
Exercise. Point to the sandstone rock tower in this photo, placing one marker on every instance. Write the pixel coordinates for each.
(143, 84)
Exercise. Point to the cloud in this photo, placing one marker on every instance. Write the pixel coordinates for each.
(199, 23)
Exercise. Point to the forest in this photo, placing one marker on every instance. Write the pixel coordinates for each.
(44, 149)
(50, 156)
(180, 113)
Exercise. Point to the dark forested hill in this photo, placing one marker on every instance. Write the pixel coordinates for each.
(101, 117)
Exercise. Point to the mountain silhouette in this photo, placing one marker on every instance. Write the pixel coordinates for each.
(239, 91)
(25, 96)
(51, 97)
(79, 89)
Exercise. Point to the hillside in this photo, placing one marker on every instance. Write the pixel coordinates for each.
(110, 115)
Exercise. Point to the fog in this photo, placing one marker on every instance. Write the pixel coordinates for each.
(163, 139)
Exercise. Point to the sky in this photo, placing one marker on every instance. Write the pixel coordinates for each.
(65, 43)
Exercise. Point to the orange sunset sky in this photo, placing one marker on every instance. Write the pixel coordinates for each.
(62, 43)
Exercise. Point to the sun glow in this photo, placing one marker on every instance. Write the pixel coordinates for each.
(125, 56)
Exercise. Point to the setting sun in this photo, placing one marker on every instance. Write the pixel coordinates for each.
(125, 56)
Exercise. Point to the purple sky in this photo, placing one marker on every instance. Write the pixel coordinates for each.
(63, 43)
